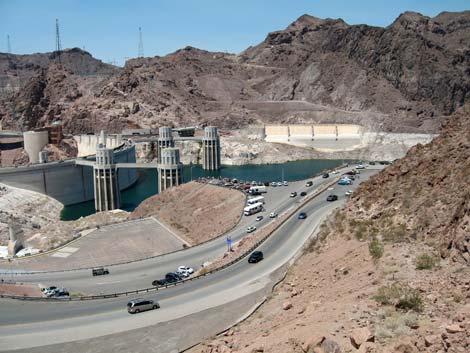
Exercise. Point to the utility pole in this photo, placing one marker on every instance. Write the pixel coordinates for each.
(141, 45)
(8, 44)
(58, 46)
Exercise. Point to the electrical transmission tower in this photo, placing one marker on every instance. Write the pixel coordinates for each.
(58, 46)
(8, 45)
(141, 45)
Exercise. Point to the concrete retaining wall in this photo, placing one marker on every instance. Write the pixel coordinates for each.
(64, 181)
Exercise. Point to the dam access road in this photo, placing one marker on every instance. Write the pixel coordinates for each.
(189, 312)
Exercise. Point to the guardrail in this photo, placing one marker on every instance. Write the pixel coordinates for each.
(132, 261)
(157, 288)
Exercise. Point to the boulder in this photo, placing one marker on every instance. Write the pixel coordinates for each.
(431, 340)
(360, 335)
(287, 306)
(330, 346)
(455, 328)
(367, 347)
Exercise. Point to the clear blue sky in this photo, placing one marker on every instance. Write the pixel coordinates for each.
(108, 29)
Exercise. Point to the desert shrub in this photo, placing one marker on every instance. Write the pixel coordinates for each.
(426, 261)
(400, 296)
(376, 249)
(394, 233)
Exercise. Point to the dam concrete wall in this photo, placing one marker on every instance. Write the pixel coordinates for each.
(86, 144)
(64, 181)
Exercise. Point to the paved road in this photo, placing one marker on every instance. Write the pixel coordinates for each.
(140, 274)
(29, 324)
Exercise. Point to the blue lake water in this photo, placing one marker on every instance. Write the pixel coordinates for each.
(147, 183)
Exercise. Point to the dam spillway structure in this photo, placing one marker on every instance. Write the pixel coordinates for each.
(211, 149)
(165, 140)
(170, 170)
(107, 192)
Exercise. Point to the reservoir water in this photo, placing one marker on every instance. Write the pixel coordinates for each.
(147, 183)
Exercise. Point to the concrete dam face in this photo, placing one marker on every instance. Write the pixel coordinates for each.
(64, 181)
(319, 136)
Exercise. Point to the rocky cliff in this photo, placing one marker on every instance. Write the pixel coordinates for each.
(405, 77)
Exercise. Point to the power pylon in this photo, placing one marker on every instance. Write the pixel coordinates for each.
(58, 46)
(141, 45)
(8, 44)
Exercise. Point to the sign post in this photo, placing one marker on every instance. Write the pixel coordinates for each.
(229, 243)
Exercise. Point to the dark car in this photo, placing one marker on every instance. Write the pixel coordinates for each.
(372, 163)
(303, 193)
(302, 215)
(100, 271)
(172, 277)
(326, 175)
(255, 256)
(159, 282)
(332, 198)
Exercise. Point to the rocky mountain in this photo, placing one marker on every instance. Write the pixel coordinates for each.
(405, 77)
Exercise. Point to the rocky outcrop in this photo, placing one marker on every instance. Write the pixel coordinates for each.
(402, 78)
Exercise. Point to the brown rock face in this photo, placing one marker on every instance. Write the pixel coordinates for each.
(425, 195)
(405, 77)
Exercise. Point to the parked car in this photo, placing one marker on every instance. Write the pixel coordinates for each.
(274, 184)
(372, 163)
(332, 197)
(344, 182)
(334, 172)
(259, 218)
(100, 271)
(360, 166)
(138, 305)
(285, 183)
(61, 292)
(303, 193)
(172, 277)
(159, 282)
(279, 183)
(349, 192)
(184, 271)
(293, 194)
(250, 229)
(255, 256)
(309, 183)
(302, 215)
(326, 175)
(273, 215)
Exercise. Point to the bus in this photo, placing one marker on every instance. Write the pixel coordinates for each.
(254, 200)
(251, 209)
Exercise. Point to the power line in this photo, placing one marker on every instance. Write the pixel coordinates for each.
(141, 45)
(58, 46)
(8, 44)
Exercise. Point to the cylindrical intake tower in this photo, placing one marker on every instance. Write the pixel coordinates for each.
(107, 195)
(170, 170)
(34, 142)
(165, 140)
(211, 149)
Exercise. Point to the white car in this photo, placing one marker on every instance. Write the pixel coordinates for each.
(250, 229)
(273, 215)
(285, 183)
(185, 271)
(349, 192)
(334, 172)
(279, 183)
(259, 218)
(274, 184)
(360, 166)
(331, 189)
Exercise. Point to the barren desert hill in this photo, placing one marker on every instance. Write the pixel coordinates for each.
(388, 273)
(406, 77)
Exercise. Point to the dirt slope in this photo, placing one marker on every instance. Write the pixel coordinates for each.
(391, 268)
(197, 212)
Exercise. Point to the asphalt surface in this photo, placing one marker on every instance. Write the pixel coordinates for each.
(29, 324)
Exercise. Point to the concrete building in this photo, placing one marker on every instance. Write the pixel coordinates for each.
(170, 170)
(107, 192)
(15, 243)
(165, 140)
(211, 149)
(34, 142)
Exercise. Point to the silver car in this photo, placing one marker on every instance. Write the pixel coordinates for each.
(139, 305)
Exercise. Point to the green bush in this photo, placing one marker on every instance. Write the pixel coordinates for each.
(376, 249)
(400, 296)
(426, 262)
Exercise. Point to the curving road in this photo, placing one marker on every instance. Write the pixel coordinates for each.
(31, 324)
